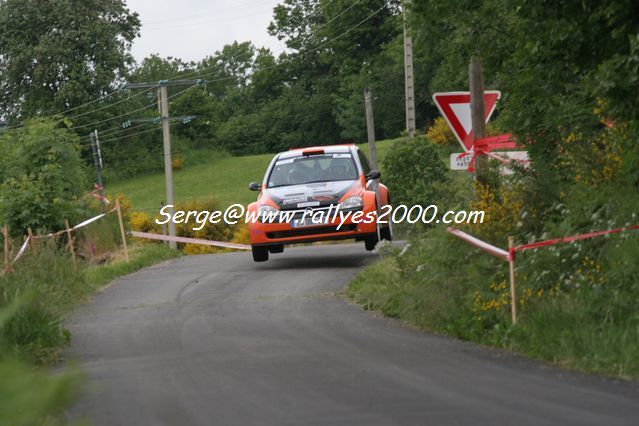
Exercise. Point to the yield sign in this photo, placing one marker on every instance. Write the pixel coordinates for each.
(455, 107)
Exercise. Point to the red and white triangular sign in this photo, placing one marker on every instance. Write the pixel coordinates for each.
(455, 107)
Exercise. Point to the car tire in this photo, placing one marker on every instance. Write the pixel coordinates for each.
(260, 254)
(370, 242)
(279, 248)
(386, 233)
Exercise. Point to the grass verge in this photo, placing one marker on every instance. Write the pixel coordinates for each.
(34, 299)
(442, 285)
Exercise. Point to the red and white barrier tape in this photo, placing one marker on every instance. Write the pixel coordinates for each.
(570, 239)
(97, 194)
(476, 242)
(510, 255)
(190, 240)
(484, 146)
(25, 245)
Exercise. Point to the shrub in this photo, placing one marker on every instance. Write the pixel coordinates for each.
(439, 133)
(415, 173)
(41, 177)
(177, 162)
(140, 221)
(502, 209)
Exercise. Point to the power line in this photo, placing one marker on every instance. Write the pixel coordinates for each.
(337, 16)
(266, 68)
(199, 73)
(301, 55)
(290, 58)
(134, 134)
(208, 22)
(250, 4)
(110, 105)
(109, 94)
(117, 130)
(105, 96)
(130, 112)
(122, 129)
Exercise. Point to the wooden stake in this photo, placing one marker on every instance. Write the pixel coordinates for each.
(126, 249)
(513, 297)
(32, 240)
(5, 234)
(71, 248)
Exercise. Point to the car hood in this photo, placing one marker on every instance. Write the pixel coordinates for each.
(310, 195)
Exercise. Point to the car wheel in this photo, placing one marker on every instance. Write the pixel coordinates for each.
(386, 233)
(276, 249)
(370, 242)
(260, 254)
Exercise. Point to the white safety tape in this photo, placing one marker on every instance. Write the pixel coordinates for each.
(190, 240)
(55, 234)
(22, 250)
(88, 221)
(482, 245)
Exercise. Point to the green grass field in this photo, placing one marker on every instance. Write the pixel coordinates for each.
(224, 178)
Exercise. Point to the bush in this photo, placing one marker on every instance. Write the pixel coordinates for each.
(415, 172)
(140, 221)
(439, 133)
(41, 177)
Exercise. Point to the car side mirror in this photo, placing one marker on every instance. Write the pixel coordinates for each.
(254, 186)
(373, 174)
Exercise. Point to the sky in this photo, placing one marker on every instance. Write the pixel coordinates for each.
(193, 29)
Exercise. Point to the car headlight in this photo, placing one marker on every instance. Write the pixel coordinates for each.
(266, 211)
(352, 203)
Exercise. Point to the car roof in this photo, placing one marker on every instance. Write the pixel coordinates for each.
(328, 149)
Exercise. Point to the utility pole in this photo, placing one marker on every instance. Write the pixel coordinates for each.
(163, 103)
(97, 159)
(477, 108)
(168, 162)
(409, 83)
(370, 128)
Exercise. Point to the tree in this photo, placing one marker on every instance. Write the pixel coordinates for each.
(41, 177)
(59, 54)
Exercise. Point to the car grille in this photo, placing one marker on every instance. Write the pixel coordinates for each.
(299, 213)
(302, 232)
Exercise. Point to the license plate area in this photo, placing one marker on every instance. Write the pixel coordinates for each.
(308, 221)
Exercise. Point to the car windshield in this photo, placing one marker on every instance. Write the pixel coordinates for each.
(314, 168)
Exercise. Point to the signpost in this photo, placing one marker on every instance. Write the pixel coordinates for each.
(456, 109)
(459, 161)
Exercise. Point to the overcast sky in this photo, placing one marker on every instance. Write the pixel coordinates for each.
(193, 29)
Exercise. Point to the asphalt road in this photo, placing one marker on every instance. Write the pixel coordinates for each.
(220, 340)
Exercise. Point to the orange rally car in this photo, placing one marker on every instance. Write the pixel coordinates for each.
(315, 194)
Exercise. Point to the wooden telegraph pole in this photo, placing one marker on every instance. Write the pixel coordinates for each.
(370, 128)
(477, 108)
